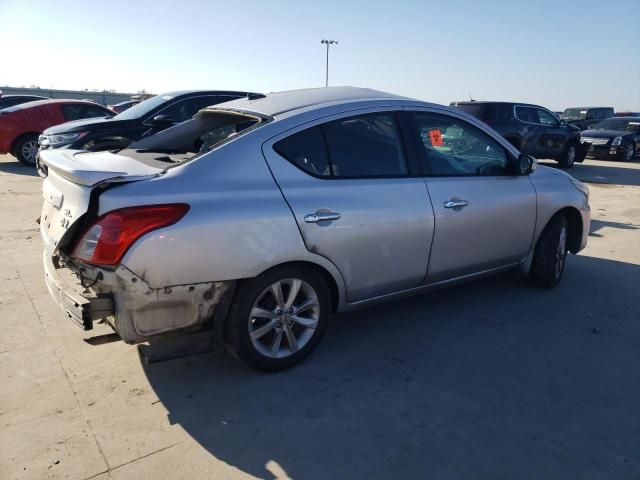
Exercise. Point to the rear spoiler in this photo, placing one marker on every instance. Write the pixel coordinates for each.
(89, 169)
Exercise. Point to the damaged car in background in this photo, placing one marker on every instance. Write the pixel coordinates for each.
(260, 218)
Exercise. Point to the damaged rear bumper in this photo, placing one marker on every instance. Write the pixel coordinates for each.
(137, 311)
(83, 310)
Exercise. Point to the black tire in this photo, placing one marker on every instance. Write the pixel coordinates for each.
(237, 334)
(26, 149)
(550, 256)
(628, 153)
(569, 155)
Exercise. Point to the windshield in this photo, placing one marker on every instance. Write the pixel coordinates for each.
(575, 114)
(143, 108)
(618, 124)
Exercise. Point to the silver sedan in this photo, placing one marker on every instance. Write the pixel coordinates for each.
(261, 217)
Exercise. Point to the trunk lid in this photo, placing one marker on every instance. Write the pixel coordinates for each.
(72, 176)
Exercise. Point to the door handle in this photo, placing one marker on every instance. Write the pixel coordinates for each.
(455, 204)
(321, 217)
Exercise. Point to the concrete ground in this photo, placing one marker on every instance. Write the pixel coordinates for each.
(492, 379)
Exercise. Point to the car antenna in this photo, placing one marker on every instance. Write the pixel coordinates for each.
(470, 97)
(255, 96)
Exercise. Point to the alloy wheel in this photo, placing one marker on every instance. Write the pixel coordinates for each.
(284, 318)
(628, 152)
(571, 155)
(29, 150)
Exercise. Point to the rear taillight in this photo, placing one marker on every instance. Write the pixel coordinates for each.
(106, 241)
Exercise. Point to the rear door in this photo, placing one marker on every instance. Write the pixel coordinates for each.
(358, 199)
(485, 214)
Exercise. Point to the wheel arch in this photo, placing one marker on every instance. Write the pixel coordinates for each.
(574, 219)
(332, 284)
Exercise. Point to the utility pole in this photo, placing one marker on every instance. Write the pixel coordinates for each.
(327, 43)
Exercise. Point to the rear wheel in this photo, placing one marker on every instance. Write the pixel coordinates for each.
(277, 319)
(26, 150)
(550, 253)
(569, 155)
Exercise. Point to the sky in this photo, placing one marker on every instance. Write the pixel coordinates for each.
(557, 54)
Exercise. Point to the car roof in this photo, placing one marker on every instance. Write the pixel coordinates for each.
(487, 102)
(214, 92)
(277, 103)
(51, 101)
(585, 108)
(21, 96)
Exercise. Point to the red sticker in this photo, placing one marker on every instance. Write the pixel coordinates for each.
(436, 137)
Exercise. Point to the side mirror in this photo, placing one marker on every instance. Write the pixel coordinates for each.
(525, 164)
(162, 120)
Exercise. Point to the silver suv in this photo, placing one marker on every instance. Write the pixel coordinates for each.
(261, 217)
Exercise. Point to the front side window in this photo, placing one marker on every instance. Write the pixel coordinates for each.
(455, 148)
(361, 146)
(546, 118)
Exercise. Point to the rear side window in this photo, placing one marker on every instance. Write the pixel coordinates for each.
(362, 146)
(527, 114)
(306, 150)
(367, 146)
(499, 113)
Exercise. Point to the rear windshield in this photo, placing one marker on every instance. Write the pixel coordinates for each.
(207, 130)
(476, 109)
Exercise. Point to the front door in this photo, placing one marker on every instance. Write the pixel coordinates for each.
(355, 201)
(485, 214)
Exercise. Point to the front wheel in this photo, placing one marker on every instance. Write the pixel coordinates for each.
(550, 254)
(628, 153)
(26, 150)
(278, 318)
(569, 156)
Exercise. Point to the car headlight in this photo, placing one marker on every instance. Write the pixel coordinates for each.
(616, 141)
(62, 138)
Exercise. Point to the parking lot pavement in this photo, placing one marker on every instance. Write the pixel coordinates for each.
(492, 379)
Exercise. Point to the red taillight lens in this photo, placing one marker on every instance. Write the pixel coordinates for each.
(106, 241)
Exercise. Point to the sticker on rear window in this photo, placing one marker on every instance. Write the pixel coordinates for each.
(435, 135)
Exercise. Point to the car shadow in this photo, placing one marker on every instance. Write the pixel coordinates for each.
(16, 168)
(597, 225)
(471, 381)
(613, 174)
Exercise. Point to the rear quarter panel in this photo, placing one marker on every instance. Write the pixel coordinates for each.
(238, 225)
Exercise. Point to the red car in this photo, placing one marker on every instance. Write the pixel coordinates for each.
(21, 125)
